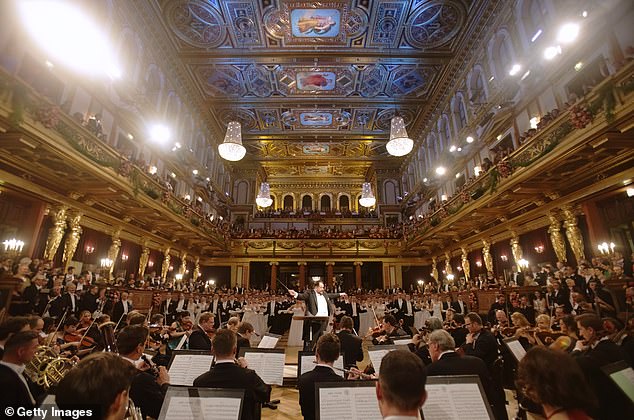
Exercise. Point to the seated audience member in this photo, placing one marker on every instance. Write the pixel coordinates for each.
(445, 361)
(16, 390)
(553, 380)
(100, 380)
(147, 391)
(351, 344)
(227, 374)
(326, 352)
(400, 389)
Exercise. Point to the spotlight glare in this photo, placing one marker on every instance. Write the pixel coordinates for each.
(552, 52)
(425, 179)
(159, 133)
(578, 66)
(469, 139)
(452, 148)
(568, 33)
(528, 73)
(440, 170)
(515, 69)
(537, 34)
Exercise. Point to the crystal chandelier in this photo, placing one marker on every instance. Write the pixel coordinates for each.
(367, 198)
(232, 148)
(264, 196)
(400, 144)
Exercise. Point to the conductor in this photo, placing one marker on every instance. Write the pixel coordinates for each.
(317, 304)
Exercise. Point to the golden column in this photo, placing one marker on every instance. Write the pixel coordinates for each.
(330, 272)
(516, 249)
(557, 239)
(55, 233)
(357, 274)
(72, 239)
(196, 269)
(466, 268)
(113, 251)
(573, 233)
(302, 274)
(274, 265)
(145, 256)
(486, 255)
(165, 267)
(434, 269)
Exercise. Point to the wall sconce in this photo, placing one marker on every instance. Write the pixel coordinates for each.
(450, 277)
(523, 263)
(178, 277)
(13, 245)
(504, 258)
(90, 249)
(171, 268)
(630, 192)
(106, 263)
(124, 257)
(478, 263)
(150, 264)
(211, 282)
(186, 271)
(539, 249)
(606, 249)
(420, 282)
(459, 268)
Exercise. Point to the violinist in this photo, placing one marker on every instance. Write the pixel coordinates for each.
(86, 324)
(351, 344)
(68, 340)
(179, 329)
(244, 334)
(565, 342)
(523, 330)
(458, 332)
(502, 324)
(480, 342)
(390, 329)
(202, 334)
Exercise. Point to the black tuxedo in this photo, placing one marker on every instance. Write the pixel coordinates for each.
(314, 329)
(215, 312)
(56, 307)
(117, 311)
(199, 340)
(232, 376)
(67, 304)
(451, 364)
(310, 297)
(14, 392)
(147, 394)
(355, 319)
(456, 307)
(243, 343)
(223, 311)
(518, 278)
(32, 295)
(168, 309)
(306, 385)
(89, 302)
(351, 347)
(484, 347)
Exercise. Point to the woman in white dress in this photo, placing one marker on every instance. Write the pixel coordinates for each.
(421, 316)
(436, 307)
(297, 326)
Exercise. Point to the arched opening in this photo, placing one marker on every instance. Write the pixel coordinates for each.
(307, 203)
(324, 204)
(289, 203)
(344, 203)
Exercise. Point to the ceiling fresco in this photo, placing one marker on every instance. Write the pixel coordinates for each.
(322, 77)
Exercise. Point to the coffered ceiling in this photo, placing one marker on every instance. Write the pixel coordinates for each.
(315, 84)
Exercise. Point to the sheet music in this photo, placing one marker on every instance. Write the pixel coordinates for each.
(454, 401)
(625, 380)
(517, 349)
(268, 366)
(186, 408)
(402, 342)
(376, 355)
(268, 342)
(187, 367)
(349, 403)
(308, 364)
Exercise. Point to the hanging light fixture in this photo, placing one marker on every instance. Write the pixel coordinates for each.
(264, 196)
(367, 198)
(400, 144)
(232, 148)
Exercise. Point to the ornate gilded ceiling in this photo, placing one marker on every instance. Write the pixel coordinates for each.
(314, 81)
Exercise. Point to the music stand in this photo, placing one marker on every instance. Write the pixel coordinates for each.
(353, 400)
(622, 375)
(202, 403)
(311, 319)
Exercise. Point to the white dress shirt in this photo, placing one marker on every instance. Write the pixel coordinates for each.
(322, 306)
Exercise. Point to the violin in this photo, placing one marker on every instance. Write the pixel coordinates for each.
(84, 341)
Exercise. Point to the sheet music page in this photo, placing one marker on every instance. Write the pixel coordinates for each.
(181, 408)
(187, 367)
(517, 349)
(221, 408)
(376, 355)
(308, 364)
(625, 380)
(268, 366)
(452, 401)
(402, 342)
(349, 403)
(268, 342)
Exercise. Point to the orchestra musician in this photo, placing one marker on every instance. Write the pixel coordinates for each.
(17, 390)
(390, 329)
(480, 342)
(245, 331)
(351, 344)
(180, 328)
(200, 338)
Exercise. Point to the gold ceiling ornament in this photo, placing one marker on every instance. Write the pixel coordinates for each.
(367, 197)
(264, 196)
(231, 148)
(399, 144)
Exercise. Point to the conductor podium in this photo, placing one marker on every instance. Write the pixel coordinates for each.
(314, 327)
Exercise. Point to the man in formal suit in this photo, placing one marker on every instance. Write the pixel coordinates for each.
(326, 352)
(31, 294)
(213, 308)
(408, 312)
(89, 300)
(517, 277)
(498, 305)
(199, 338)
(272, 309)
(479, 342)
(227, 374)
(459, 305)
(593, 351)
(147, 391)
(245, 331)
(55, 302)
(18, 351)
(397, 307)
(317, 304)
(168, 308)
(400, 389)
(351, 344)
(446, 362)
(353, 310)
(122, 307)
(70, 300)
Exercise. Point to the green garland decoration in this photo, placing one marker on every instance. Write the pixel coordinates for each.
(72, 137)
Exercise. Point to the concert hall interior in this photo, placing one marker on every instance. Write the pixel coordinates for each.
(328, 209)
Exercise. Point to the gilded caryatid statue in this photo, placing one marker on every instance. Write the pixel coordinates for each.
(55, 233)
(557, 239)
(72, 239)
(466, 268)
(113, 251)
(143, 260)
(486, 255)
(434, 269)
(516, 249)
(196, 269)
(448, 269)
(166, 263)
(573, 233)
(183, 266)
